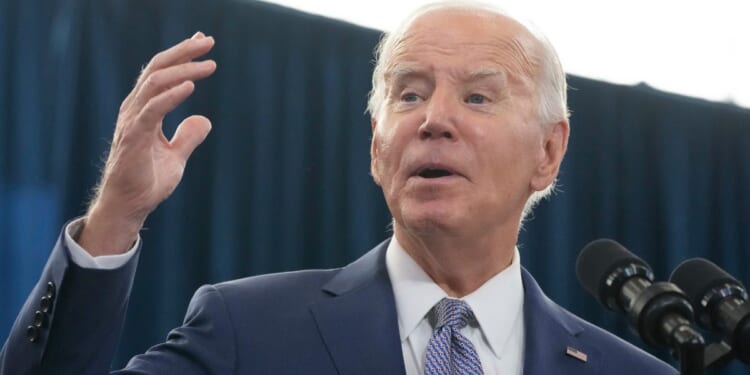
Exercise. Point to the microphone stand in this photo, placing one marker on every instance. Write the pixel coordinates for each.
(718, 354)
(688, 344)
(660, 312)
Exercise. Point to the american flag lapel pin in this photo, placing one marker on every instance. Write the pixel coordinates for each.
(577, 354)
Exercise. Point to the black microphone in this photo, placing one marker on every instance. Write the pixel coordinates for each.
(720, 302)
(660, 312)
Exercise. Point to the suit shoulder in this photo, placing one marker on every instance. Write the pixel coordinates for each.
(294, 284)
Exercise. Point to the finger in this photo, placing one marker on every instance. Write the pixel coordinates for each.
(185, 51)
(189, 134)
(149, 118)
(167, 78)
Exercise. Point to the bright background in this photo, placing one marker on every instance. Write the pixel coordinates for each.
(694, 48)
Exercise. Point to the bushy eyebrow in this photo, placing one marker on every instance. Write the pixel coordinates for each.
(403, 73)
(483, 74)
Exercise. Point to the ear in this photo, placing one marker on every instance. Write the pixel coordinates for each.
(374, 152)
(554, 144)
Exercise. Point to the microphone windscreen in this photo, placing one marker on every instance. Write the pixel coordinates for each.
(598, 260)
(697, 276)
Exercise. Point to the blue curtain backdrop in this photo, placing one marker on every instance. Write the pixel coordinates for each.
(282, 182)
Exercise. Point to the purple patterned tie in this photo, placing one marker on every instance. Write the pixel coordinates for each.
(449, 352)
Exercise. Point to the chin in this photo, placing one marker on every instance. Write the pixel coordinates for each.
(430, 218)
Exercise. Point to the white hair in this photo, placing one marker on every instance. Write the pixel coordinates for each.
(550, 84)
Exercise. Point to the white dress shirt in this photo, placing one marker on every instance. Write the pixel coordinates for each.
(83, 259)
(499, 336)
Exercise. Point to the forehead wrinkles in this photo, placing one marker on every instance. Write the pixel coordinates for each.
(512, 54)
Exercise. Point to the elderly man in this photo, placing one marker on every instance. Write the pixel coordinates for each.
(469, 125)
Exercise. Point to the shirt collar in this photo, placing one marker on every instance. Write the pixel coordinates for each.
(497, 304)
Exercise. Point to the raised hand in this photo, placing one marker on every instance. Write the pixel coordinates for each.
(144, 167)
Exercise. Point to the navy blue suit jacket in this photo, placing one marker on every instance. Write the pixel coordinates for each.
(340, 321)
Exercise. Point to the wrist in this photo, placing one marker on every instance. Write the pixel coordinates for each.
(105, 232)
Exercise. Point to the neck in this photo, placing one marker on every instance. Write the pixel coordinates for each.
(459, 264)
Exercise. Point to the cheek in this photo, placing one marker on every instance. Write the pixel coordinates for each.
(510, 153)
(382, 158)
(385, 141)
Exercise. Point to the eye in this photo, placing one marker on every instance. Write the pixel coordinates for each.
(409, 97)
(476, 99)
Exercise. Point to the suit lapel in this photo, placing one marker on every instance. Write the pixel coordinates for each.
(359, 324)
(360, 329)
(552, 337)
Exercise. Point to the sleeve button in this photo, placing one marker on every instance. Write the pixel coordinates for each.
(32, 333)
(40, 319)
(51, 289)
(45, 304)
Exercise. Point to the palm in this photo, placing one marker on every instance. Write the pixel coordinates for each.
(144, 167)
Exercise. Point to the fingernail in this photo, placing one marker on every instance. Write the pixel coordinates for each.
(197, 35)
(206, 40)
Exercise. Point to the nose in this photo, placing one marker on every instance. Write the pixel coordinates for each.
(441, 115)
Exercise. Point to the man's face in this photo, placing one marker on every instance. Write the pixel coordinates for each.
(457, 146)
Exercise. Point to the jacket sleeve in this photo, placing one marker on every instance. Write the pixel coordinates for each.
(204, 344)
(71, 321)
(71, 324)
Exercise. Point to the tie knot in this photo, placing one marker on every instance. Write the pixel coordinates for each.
(453, 313)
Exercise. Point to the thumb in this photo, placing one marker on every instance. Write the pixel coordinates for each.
(189, 134)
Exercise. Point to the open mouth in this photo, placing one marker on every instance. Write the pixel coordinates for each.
(434, 173)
